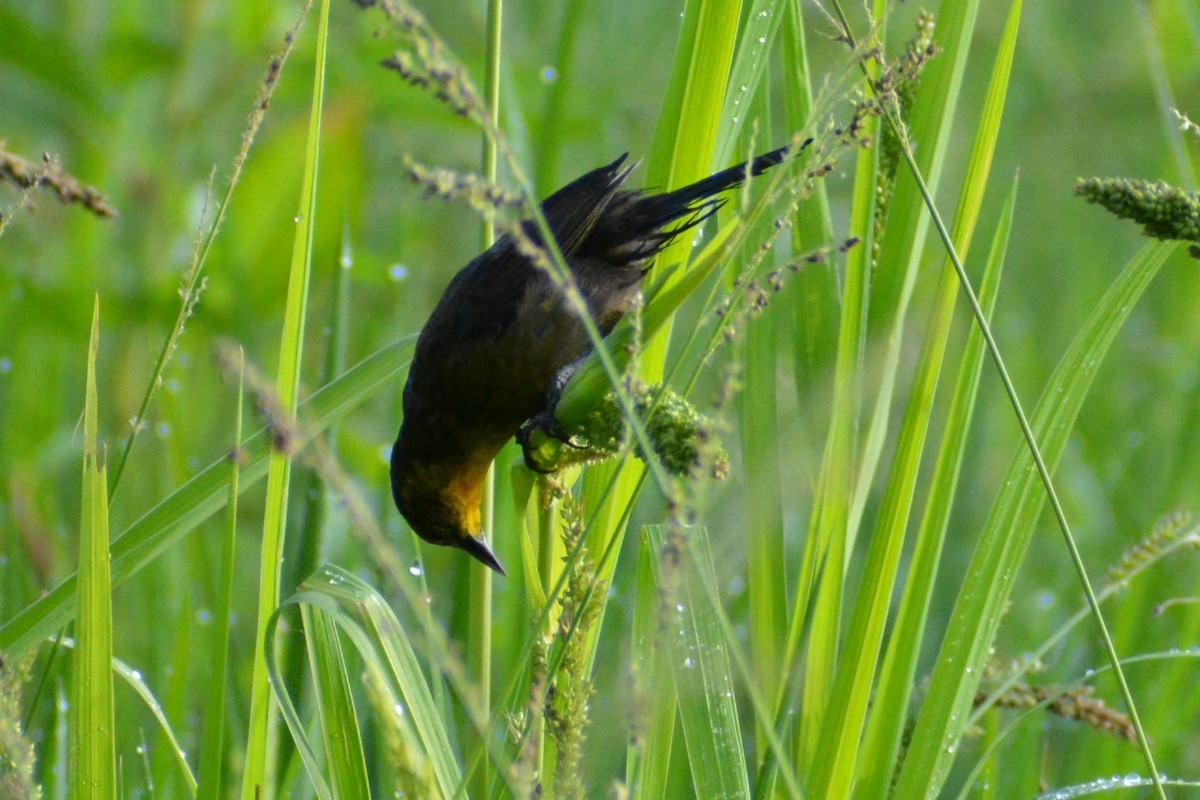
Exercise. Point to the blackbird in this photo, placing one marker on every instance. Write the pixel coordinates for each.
(502, 331)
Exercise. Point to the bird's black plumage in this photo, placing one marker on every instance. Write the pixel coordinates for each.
(502, 330)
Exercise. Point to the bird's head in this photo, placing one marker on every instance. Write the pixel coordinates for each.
(441, 503)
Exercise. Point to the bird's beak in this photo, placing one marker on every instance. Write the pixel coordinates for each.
(481, 551)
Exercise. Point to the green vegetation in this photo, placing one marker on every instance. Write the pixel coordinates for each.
(813, 549)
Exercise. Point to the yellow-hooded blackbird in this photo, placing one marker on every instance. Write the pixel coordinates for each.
(488, 356)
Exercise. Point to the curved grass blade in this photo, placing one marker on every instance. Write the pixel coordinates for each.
(700, 664)
(363, 616)
(344, 756)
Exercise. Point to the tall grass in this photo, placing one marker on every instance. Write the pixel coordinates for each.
(843, 615)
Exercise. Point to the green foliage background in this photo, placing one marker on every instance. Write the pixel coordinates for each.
(145, 100)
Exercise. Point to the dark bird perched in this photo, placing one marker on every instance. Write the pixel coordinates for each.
(488, 356)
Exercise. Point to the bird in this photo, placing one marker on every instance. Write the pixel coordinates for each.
(489, 355)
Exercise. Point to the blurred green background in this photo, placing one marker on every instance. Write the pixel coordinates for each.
(144, 100)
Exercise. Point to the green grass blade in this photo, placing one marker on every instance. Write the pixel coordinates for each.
(691, 118)
(686, 140)
(700, 665)
(763, 514)
(279, 463)
(829, 534)
(649, 754)
(479, 642)
(815, 309)
(307, 541)
(814, 226)
(344, 756)
(1040, 464)
(993, 569)
(212, 737)
(889, 713)
(762, 458)
(756, 40)
(930, 122)
(92, 759)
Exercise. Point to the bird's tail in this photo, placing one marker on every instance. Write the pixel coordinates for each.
(725, 179)
(647, 217)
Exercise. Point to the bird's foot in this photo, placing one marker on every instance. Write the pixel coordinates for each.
(540, 438)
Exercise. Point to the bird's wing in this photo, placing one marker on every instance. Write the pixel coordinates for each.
(482, 299)
(572, 211)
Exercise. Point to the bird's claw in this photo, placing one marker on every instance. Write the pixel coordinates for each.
(548, 426)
